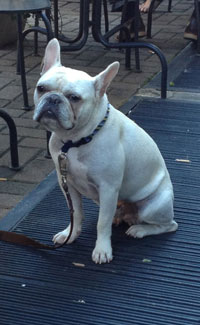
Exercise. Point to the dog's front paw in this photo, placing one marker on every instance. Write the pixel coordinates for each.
(102, 253)
(61, 237)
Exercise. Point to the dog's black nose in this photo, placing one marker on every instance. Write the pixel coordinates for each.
(54, 100)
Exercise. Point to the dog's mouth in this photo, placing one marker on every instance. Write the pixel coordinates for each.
(51, 119)
(47, 114)
(48, 108)
(54, 113)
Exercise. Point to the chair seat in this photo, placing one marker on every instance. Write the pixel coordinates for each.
(8, 6)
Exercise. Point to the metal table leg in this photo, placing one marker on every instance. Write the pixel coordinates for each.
(21, 62)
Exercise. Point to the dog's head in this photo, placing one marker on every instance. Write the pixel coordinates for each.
(66, 98)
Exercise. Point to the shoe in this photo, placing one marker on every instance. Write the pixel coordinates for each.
(121, 37)
(191, 28)
(141, 29)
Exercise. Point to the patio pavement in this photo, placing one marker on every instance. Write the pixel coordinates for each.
(167, 32)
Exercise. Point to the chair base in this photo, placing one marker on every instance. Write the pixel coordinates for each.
(13, 140)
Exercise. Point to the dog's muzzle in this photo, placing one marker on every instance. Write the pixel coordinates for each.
(48, 107)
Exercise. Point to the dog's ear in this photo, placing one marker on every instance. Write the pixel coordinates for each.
(103, 79)
(52, 55)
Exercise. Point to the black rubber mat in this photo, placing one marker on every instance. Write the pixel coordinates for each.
(151, 281)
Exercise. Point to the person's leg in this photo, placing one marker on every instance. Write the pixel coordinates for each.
(191, 28)
(129, 21)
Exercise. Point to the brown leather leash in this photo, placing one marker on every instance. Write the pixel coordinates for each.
(21, 239)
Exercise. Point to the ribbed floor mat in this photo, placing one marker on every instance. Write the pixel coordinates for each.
(155, 280)
(189, 77)
(183, 73)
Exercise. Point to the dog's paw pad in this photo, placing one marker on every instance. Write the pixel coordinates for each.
(100, 255)
(136, 231)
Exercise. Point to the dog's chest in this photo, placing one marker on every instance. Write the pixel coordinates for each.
(79, 176)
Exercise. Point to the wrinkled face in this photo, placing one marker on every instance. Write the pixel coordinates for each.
(64, 98)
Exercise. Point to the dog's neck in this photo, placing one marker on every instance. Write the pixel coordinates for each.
(78, 132)
(84, 140)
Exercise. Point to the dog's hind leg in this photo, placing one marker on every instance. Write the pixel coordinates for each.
(156, 216)
(142, 230)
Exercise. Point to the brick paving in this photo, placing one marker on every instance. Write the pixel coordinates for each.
(167, 32)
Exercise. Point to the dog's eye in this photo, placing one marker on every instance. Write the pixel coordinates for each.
(73, 98)
(41, 89)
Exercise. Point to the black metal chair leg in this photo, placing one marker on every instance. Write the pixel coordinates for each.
(36, 35)
(137, 60)
(169, 5)
(136, 27)
(13, 140)
(128, 58)
(21, 62)
(149, 19)
(105, 9)
(49, 37)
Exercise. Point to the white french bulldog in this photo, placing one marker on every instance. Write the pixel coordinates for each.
(119, 163)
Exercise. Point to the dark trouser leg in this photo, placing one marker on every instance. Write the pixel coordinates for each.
(191, 31)
(128, 18)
